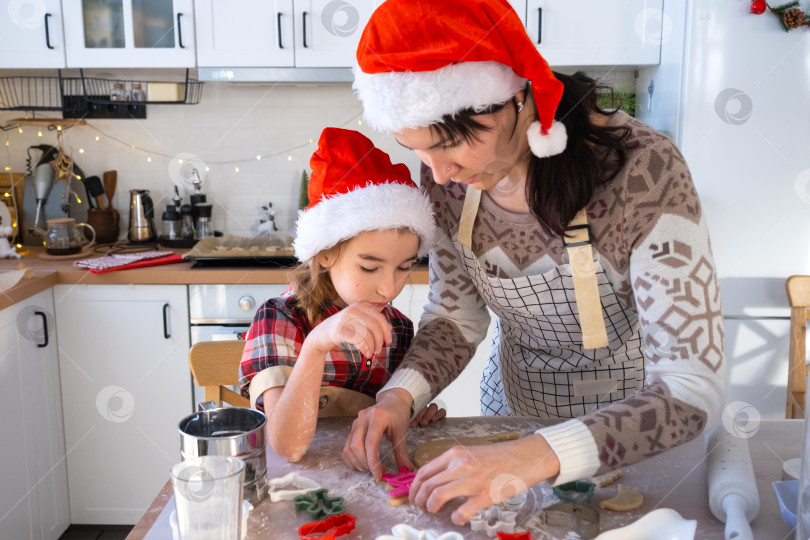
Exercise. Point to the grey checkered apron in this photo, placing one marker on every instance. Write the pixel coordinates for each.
(537, 365)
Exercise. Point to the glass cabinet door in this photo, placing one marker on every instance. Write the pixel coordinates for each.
(129, 33)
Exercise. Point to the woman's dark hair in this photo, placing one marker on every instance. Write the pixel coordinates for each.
(559, 186)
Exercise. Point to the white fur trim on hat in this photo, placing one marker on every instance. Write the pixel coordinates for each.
(394, 101)
(550, 144)
(370, 208)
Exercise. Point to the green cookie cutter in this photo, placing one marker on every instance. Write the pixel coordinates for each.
(577, 486)
(319, 504)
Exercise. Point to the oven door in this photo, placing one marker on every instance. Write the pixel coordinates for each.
(214, 333)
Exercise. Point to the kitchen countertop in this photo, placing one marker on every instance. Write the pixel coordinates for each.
(48, 273)
(675, 479)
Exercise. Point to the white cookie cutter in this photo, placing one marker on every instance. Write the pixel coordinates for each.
(406, 532)
(494, 520)
(290, 486)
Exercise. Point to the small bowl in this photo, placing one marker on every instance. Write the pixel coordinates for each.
(787, 495)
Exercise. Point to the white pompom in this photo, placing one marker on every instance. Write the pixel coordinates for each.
(550, 144)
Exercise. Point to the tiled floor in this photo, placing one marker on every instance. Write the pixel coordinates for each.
(96, 532)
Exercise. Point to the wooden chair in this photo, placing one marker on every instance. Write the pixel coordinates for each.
(798, 295)
(214, 365)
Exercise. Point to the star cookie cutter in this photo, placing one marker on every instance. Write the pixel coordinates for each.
(494, 520)
(406, 532)
(576, 486)
(327, 529)
(400, 483)
(290, 486)
(318, 504)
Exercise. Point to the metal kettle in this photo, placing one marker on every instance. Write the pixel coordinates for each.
(141, 216)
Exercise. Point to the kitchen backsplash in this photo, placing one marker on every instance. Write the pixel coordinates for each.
(233, 124)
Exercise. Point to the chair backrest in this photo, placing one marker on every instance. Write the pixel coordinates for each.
(798, 295)
(214, 365)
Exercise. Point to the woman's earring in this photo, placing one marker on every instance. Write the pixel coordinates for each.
(520, 106)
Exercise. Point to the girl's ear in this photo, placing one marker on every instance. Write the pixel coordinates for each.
(325, 261)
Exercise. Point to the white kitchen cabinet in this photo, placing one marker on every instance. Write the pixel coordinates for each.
(280, 33)
(244, 33)
(327, 31)
(31, 35)
(34, 498)
(129, 33)
(462, 396)
(123, 356)
(604, 33)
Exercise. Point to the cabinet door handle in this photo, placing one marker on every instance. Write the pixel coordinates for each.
(44, 328)
(278, 28)
(539, 25)
(166, 333)
(304, 19)
(180, 32)
(48, 32)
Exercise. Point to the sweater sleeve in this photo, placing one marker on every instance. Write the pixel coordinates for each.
(675, 291)
(454, 322)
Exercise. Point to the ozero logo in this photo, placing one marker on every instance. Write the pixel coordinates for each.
(27, 14)
(340, 18)
(115, 404)
(733, 106)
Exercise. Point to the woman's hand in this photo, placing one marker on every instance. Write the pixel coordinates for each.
(389, 417)
(431, 413)
(359, 324)
(484, 475)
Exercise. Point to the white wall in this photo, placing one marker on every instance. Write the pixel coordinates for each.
(233, 123)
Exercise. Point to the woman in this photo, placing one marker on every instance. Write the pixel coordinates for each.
(580, 229)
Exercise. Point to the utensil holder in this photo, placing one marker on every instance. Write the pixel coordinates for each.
(106, 224)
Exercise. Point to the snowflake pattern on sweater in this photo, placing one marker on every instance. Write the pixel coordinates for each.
(652, 241)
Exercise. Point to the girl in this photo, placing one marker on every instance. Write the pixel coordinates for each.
(326, 346)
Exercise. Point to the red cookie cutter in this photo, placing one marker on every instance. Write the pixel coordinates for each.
(327, 529)
(515, 536)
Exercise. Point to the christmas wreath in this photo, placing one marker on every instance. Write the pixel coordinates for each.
(790, 15)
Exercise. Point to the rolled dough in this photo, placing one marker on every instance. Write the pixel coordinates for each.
(433, 449)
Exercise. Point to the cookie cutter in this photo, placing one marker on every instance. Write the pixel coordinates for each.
(318, 504)
(400, 483)
(290, 486)
(583, 520)
(576, 486)
(406, 532)
(515, 536)
(494, 520)
(327, 529)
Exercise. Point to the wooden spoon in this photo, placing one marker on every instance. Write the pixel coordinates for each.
(110, 180)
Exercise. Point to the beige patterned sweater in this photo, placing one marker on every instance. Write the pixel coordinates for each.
(652, 241)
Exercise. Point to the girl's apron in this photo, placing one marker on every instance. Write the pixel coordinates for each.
(538, 365)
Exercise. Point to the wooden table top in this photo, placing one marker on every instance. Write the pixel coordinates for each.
(675, 479)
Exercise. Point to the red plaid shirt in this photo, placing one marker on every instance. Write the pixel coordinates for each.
(277, 334)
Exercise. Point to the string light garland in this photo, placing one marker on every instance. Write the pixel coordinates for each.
(790, 15)
(152, 153)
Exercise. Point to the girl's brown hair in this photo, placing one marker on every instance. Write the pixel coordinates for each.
(313, 286)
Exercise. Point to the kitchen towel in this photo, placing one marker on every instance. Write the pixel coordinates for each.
(111, 263)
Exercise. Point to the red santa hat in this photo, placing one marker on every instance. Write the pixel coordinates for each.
(420, 61)
(353, 188)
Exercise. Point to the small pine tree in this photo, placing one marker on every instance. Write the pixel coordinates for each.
(303, 196)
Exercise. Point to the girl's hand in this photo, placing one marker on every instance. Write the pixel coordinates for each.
(431, 413)
(484, 475)
(359, 324)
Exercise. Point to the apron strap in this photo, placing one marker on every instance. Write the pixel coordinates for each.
(472, 199)
(586, 288)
